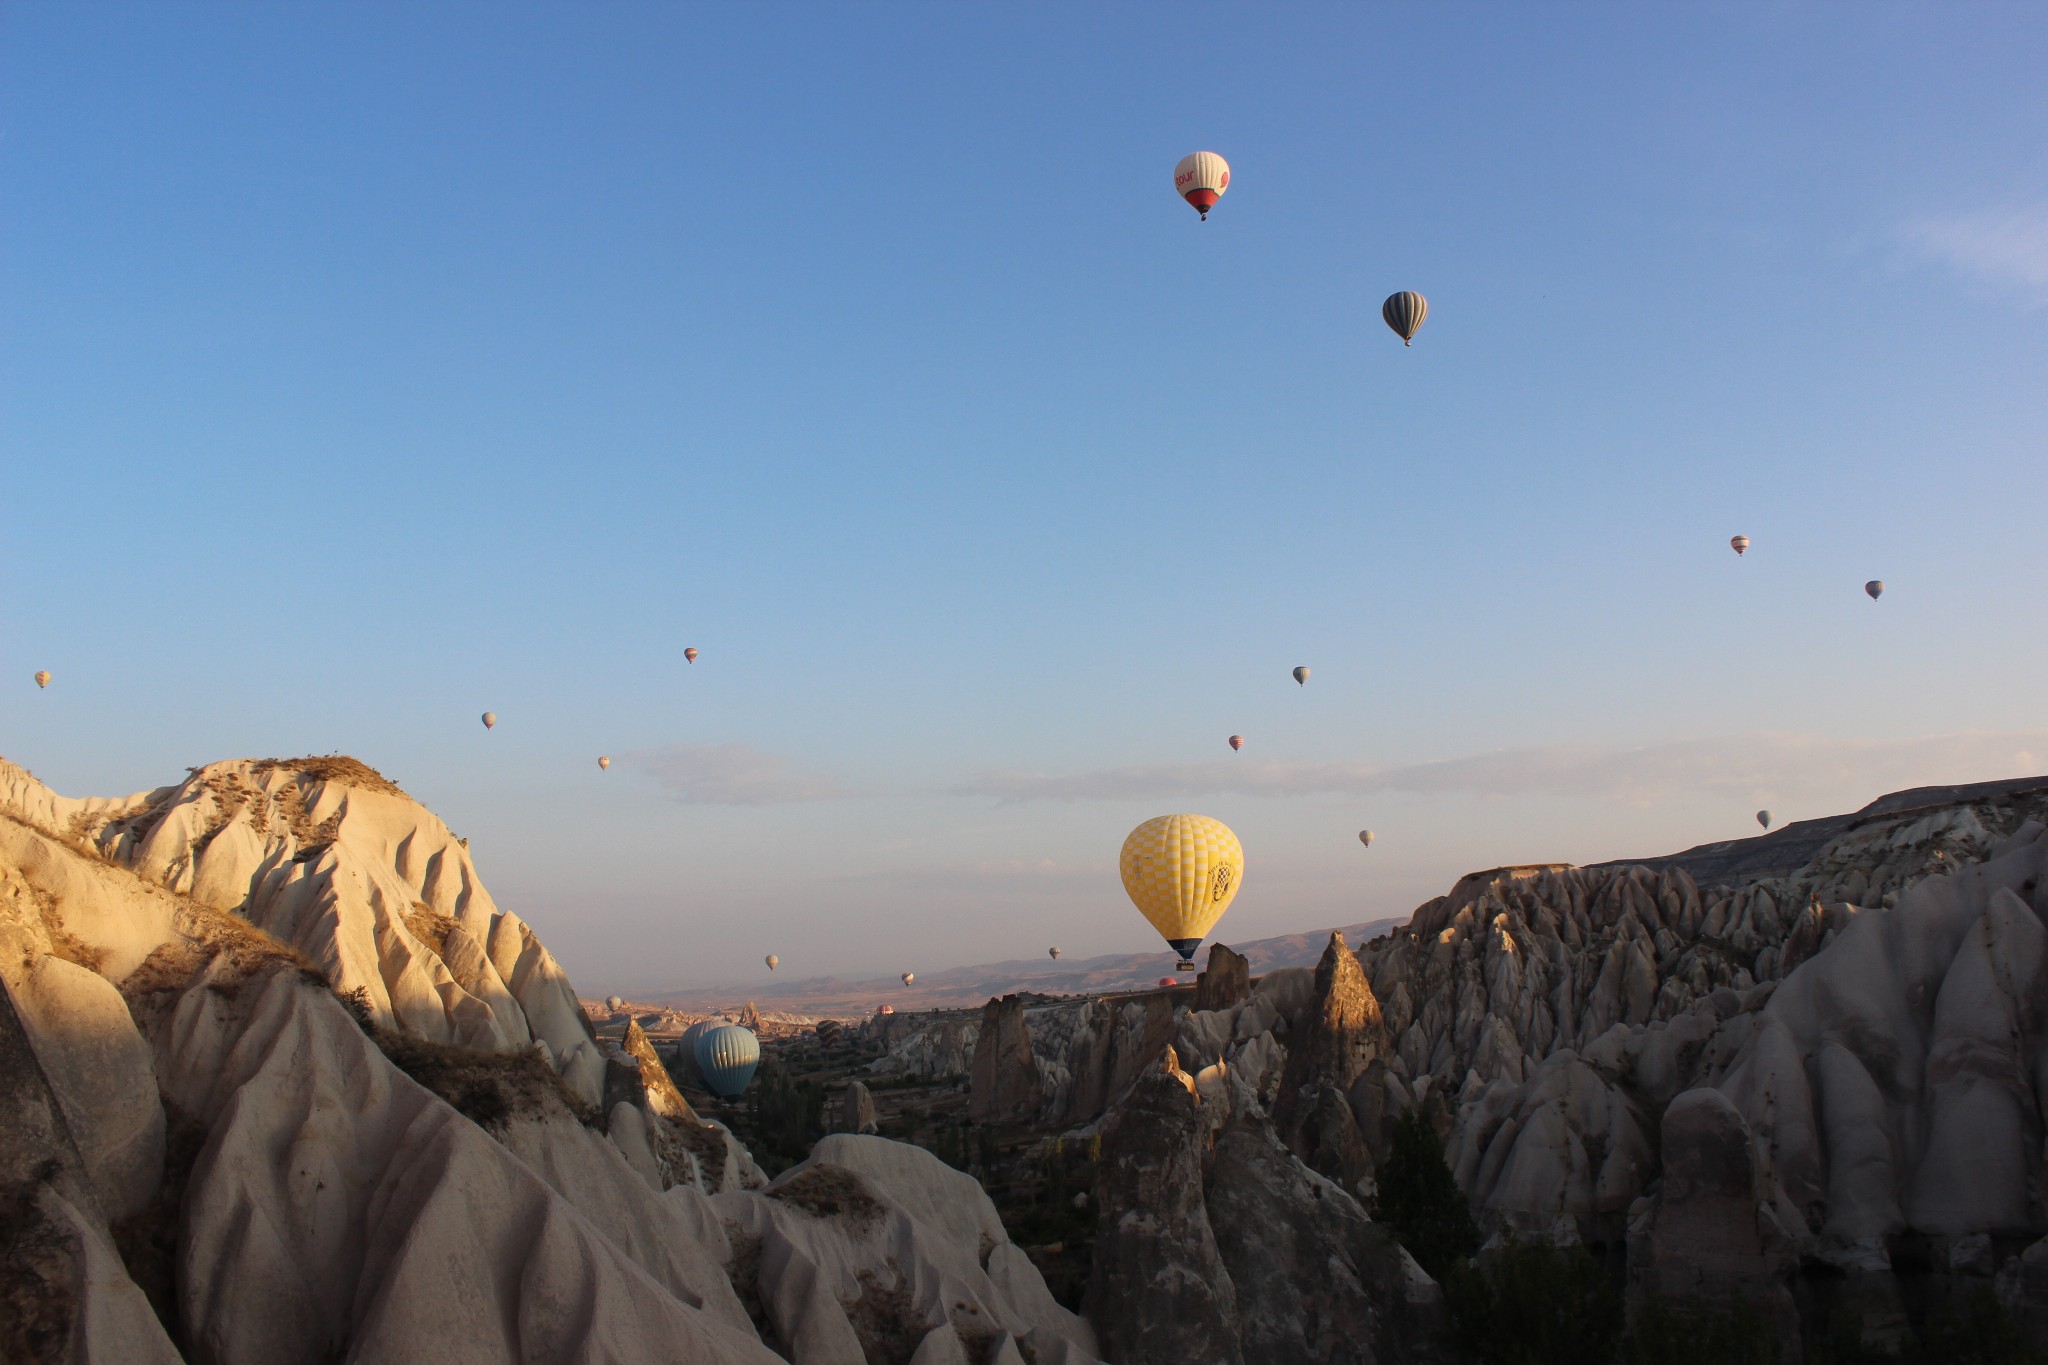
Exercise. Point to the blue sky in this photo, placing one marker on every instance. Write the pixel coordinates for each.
(369, 366)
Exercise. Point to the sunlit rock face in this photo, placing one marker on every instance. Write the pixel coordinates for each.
(241, 1019)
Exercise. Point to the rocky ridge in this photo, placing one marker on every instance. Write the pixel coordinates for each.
(279, 1082)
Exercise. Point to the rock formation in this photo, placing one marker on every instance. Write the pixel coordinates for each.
(278, 1083)
(1004, 1073)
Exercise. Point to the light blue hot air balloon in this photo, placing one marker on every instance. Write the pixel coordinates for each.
(726, 1058)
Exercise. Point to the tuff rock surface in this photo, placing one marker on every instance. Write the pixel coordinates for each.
(214, 1001)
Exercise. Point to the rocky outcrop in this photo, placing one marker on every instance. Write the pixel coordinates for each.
(364, 1191)
(857, 1110)
(1159, 1290)
(1004, 1079)
(1226, 982)
(1340, 1035)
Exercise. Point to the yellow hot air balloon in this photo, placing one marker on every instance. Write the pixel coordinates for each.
(1201, 178)
(1404, 313)
(604, 761)
(43, 678)
(773, 961)
(1182, 872)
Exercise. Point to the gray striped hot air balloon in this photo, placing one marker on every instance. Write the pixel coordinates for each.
(1404, 313)
(726, 1058)
(1738, 543)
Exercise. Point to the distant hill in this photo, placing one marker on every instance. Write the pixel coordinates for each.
(959, 987)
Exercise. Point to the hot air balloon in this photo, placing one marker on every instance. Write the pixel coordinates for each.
(1201, 178)
(726, 1058)
(1763, 817)
(1301, 675)
(828, 1031)
(773, 961)
(1168, 981)
(1404, 313)
(1237, 741)
(43, 678)
(1365, 837)
(1055, 952)
(690, 656)
(909, 977)
(1739, 543)
(614, 1003)
(1182, 872)
(603, 761)
(1875, 587)
(884, 1009)
(490, 719)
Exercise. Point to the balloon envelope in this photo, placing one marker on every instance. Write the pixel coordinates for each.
(885, 1009)
(1168, 981)
(490, 719)
(1301, 675)
(1237, 741)
(773, 961)
(1763, 817)
(43, 678)
(1201, 178)
(726, 1058)
(1365, 837)
(1182, 872)
(1055, 952)
(1739, 543)
(909, 977)
(690, 655)
(1875, 587)
(1404, 313)
(603, 761)
(613, 1002)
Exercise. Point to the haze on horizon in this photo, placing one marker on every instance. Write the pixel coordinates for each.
(367, 367)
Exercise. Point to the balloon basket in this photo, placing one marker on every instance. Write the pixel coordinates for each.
(1184, 966)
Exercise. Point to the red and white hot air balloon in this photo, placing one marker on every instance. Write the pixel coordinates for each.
(1201, 178)
(1237, 741)
(885, 1009)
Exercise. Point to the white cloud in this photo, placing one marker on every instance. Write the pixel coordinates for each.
(730, 775)
(1760, 767)
(2007, 247)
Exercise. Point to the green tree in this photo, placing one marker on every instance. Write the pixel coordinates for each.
(1419, 1199)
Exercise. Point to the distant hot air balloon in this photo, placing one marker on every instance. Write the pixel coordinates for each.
(909, 977)
(1301, 675)
(884, 1009)
(1763, 817)
(1182, 872)
(1055, 952)
(614, 1003)
(690, 656)
(43, 678)
(726, 1058)
(773, 961)
(1365, 837)
(1201, 178)
(1168, 981)
(603, 761)
(490, 719)
(1237, 741)
(1875, 587)
(1739, 543)
(1404, 313)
